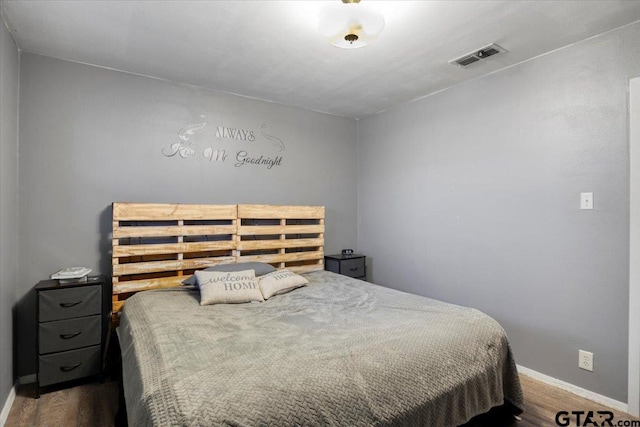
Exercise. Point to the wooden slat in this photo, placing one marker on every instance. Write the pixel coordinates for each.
(120, 232)
(114, 244)
(280, 212)
(261, 230)
(171, 212)
(180, 240)
(290, 257)
(171, 248)
(147, 284)
(283, 222)
(117, 306)
(252, 245)
(172, 265)
(236, 238)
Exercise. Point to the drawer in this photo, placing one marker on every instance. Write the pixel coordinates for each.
(61, 304)
(352, 267)
(64, 335)
(69, 365)
(331, 264)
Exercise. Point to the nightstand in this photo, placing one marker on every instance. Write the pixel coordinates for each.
(349, 265)
(71, 327)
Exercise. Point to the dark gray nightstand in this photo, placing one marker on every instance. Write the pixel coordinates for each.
(349, 265)
(71, 327)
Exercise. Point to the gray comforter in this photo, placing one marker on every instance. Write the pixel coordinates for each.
(337, 352)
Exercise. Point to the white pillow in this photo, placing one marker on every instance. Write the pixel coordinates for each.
(219, 287)
(279, 282)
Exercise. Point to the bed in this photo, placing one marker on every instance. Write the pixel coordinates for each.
(338, 351)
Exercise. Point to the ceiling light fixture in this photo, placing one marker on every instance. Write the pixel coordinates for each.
(350, 25)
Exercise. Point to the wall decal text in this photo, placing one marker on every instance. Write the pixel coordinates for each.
(244, 159)
(232, 133)
(186, 148)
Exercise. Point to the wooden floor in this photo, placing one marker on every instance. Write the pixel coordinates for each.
(543, 402)
(96, 404)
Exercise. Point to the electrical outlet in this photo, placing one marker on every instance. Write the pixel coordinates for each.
(586, 200)
(585, 360)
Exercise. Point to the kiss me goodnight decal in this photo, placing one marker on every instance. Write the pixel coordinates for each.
(267, 153)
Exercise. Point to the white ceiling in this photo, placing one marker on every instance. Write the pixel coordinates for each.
(271, 50)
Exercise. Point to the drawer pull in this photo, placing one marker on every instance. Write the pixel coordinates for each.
(70, 368)
(69, 336)
(354, 269)
(69, 304)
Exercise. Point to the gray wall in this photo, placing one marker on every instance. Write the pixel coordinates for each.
(471, 196)
(9, 78)
(91, 136)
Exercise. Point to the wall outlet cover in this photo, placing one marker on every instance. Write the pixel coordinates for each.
(585, 360)
(586, 200)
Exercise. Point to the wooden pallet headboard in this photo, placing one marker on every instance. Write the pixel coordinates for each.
(157, 245)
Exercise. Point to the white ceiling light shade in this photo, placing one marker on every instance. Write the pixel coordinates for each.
(350, 25)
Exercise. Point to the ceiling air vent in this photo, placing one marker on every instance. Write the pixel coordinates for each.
(477, 55)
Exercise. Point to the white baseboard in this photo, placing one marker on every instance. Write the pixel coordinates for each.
(579, 391)
(4, 415)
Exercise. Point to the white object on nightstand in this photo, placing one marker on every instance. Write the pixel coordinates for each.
(71, 273)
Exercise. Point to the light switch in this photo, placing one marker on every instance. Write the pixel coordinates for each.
(586, 200)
